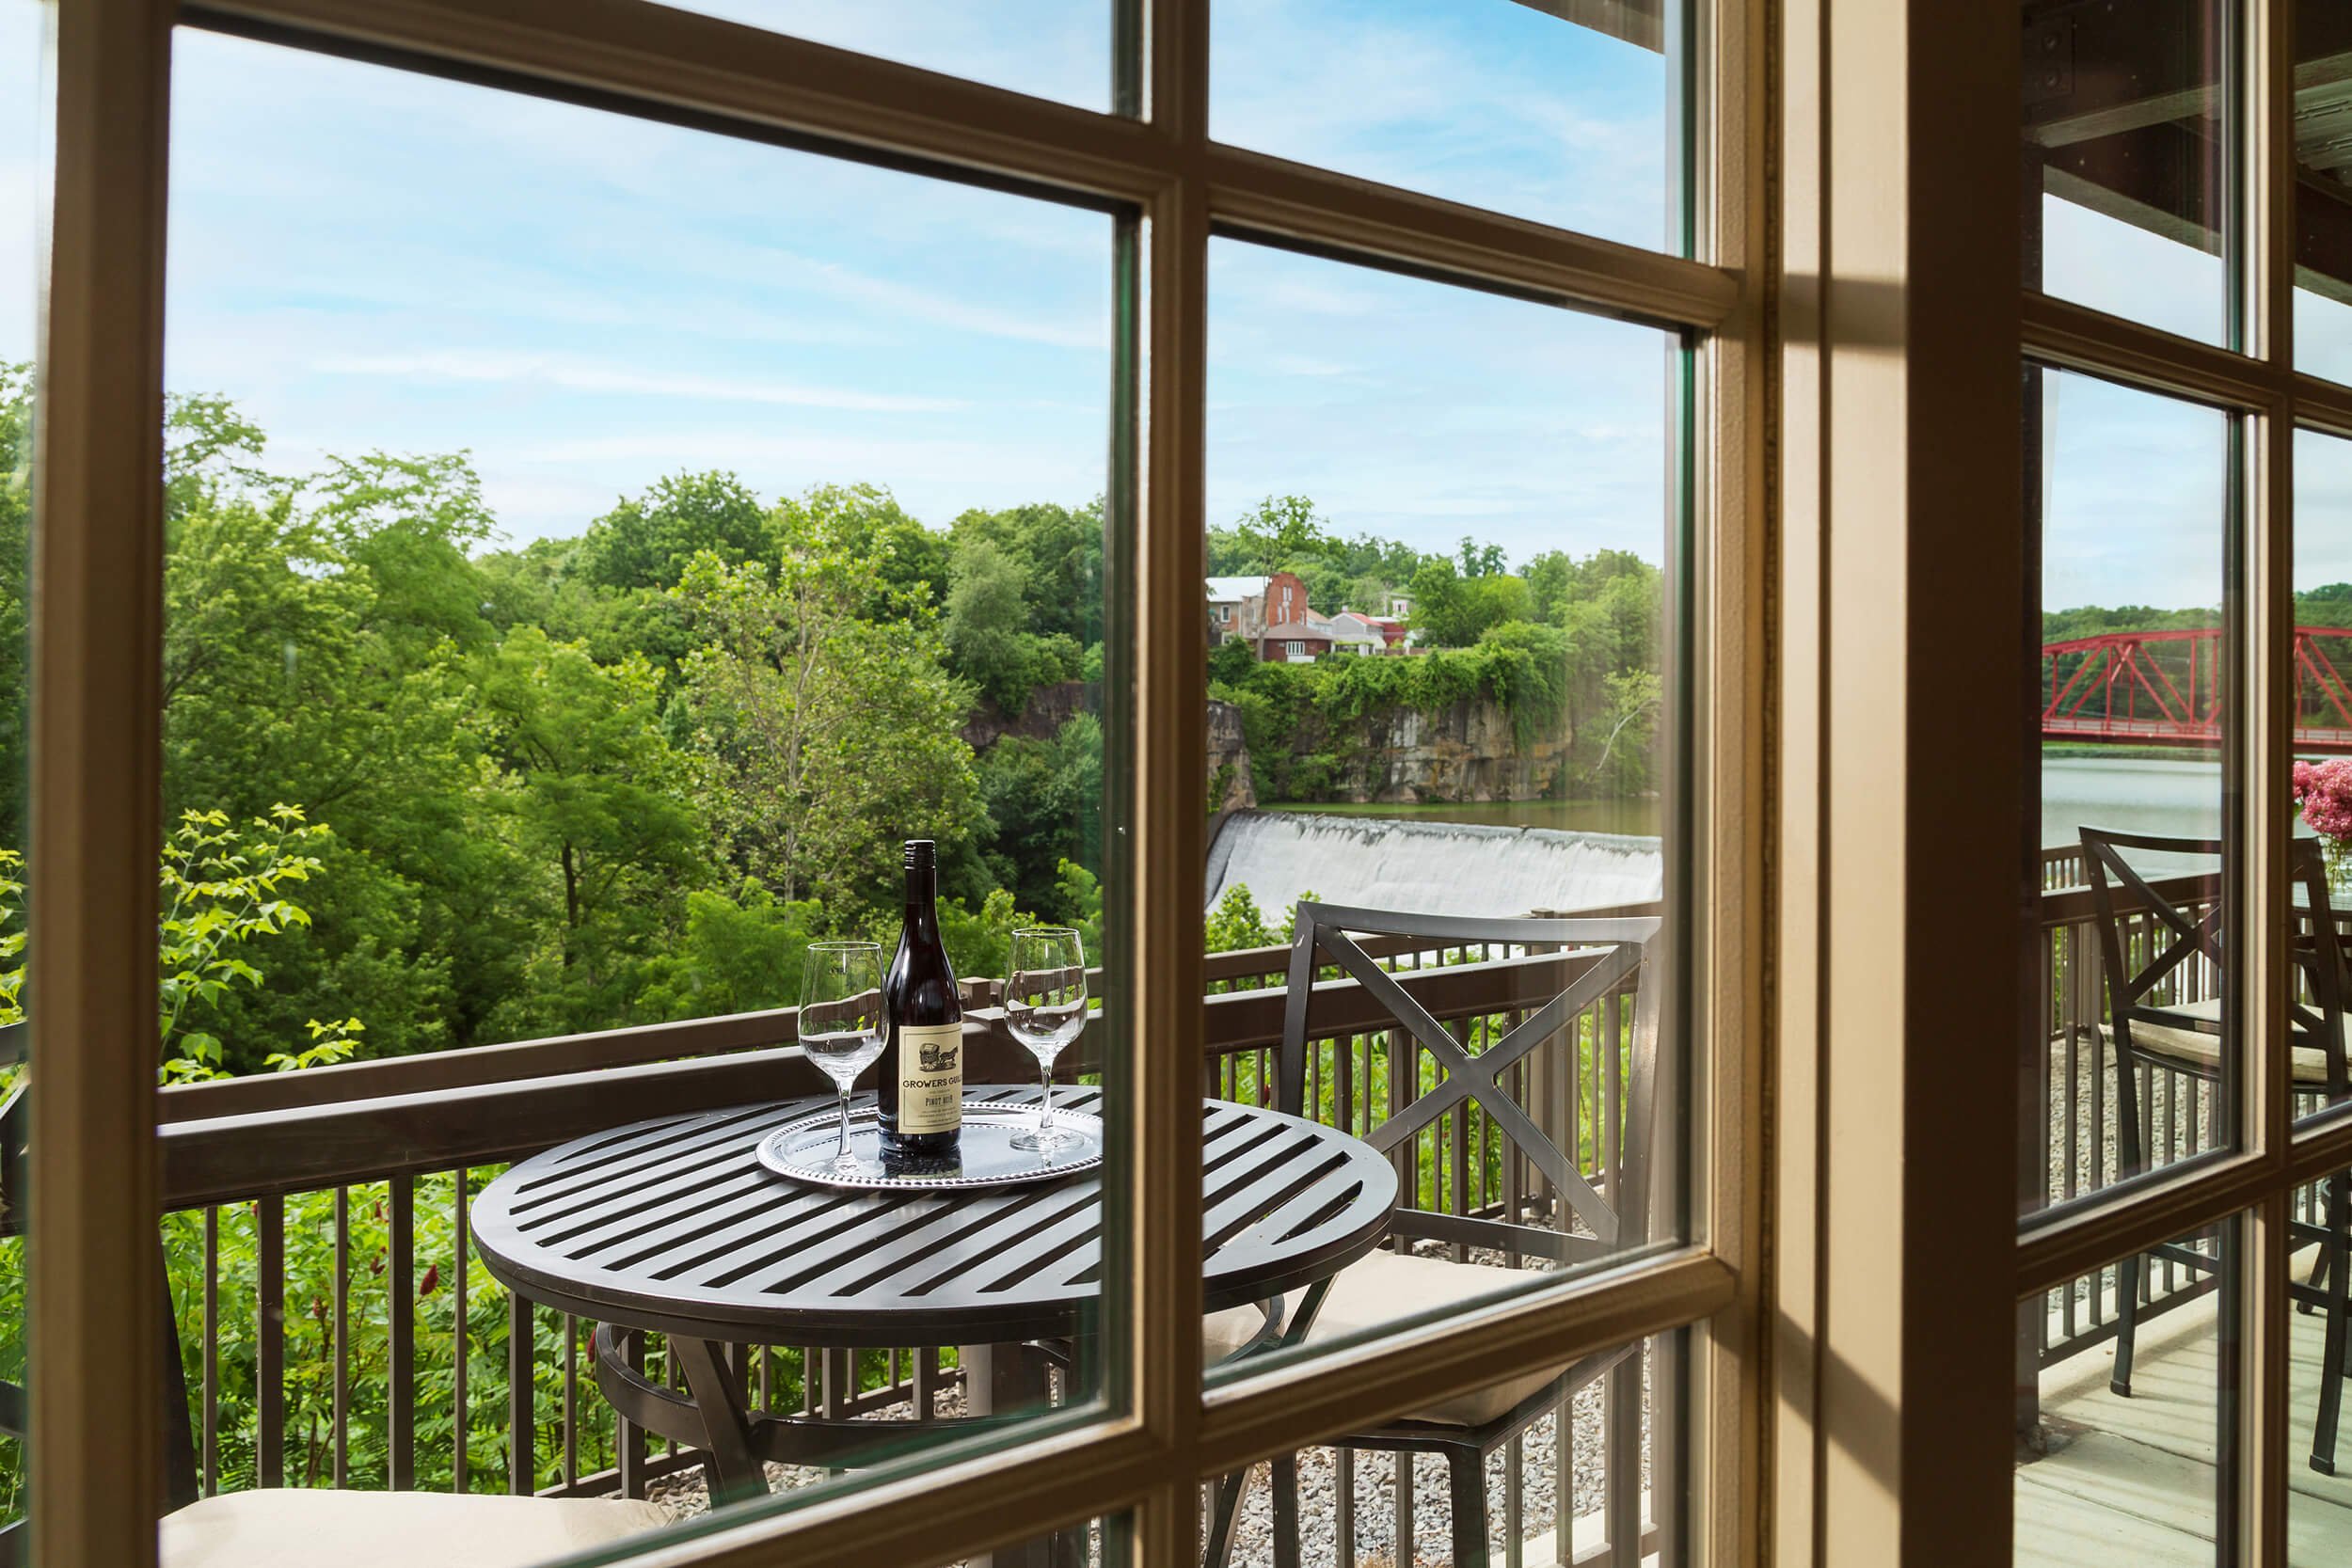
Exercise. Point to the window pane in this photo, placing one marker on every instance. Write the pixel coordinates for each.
(2132, 500)
(2127, 168)
(1443, 695)
(2319, 1326)
(25, 161)
(1058, 49)
(2321, 871)
(1596, 1480)
(616, 541)
(2144, 1472)
(2323, 194)
(1501, 106)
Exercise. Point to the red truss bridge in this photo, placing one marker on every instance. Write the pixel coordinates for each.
(2164, 688)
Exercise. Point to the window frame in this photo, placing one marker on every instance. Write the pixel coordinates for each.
(97, 796)
(2270, 401)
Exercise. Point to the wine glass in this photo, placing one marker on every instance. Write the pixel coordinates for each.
(841, 1024)
(1045, 1007)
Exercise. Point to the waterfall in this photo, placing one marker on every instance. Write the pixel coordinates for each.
(1429, 867)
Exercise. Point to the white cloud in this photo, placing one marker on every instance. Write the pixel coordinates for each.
(456, 364)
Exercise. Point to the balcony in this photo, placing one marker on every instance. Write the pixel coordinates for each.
(318, 1248)
(317, 1244)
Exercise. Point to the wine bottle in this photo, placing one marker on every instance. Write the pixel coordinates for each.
(920, 1086)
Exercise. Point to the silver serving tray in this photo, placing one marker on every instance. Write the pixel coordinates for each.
(802, 1151)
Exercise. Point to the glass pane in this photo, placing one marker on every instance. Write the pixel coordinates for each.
(2323, 192)
(2319, 1326)
(24, 156)
(2128, 128)
(1058, 49)
(2125, 1416)
(1567, 115)
(2132, 1059)
(1444, 695)
(1587, 1472)
(2322, 870)
(596, 548)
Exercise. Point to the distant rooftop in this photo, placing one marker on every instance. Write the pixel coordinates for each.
(1235, 588)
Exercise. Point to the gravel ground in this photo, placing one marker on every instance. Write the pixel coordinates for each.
(685, 1497)
(1540, 1482)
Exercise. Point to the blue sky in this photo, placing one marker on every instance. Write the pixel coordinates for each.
(364, 258)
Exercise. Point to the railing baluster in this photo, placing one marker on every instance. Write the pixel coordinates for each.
(399, 1284)
(211, 1414)
(1343, 1509)
(522, 1404)
(1515, 1503)
(1461, 1031)
(571, 1399)
(631, 1437)
(460, 1348)
(342, 1337)
(269, 1342)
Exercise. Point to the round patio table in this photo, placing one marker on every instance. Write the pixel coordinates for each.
(672, 1227)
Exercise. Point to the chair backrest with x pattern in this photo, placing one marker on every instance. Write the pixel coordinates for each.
(1602, 955)
(2184, 934)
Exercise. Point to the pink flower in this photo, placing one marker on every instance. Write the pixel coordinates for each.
(2324, 793)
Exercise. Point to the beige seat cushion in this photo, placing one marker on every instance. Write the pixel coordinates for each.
(306, 1527)
(1378, 1290)
(2200, 1051)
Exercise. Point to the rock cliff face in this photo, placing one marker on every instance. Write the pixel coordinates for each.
(1231, 786)
(1465, 751)
(1050, 706)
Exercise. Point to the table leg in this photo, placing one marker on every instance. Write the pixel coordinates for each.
(733, 1471)
(1007, 1380)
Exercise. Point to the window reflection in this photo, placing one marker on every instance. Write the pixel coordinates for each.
(2133, 1063)
(2127, 1411)
(2323, 191)
(2127, 161)
(1439, 638)
(595, 549)
(1558, 113)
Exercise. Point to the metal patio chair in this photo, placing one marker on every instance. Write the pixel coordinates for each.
(2152, 1026)
(1610, 1217)
(268, 1527)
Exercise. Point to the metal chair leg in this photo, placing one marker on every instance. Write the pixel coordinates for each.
(2318, 1280)
(1285, 1468)
(2331, 1367)
(1467, 1473)
(2127, 1271)
(1216, 1544)
(2126, 1323)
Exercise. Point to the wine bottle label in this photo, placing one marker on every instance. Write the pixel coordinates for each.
(931, 1078)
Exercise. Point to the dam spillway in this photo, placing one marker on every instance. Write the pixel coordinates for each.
(1431, 867)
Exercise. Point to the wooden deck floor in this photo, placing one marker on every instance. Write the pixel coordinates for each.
(2132, 1480)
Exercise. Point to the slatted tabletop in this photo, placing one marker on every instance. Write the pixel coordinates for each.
(673, 1226)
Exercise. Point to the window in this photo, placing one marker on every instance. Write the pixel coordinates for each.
(2184, 1082)
(617, 253)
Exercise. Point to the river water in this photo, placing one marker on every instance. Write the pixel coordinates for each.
(2142, 794)
(2148, 795)
(1511, 856)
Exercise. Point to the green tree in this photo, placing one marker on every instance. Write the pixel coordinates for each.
(598, 803)
(646, 541)
(825, 737)
(987, 628)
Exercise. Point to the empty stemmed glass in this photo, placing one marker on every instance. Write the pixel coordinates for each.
(842, 1027)
(1045, 1007)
